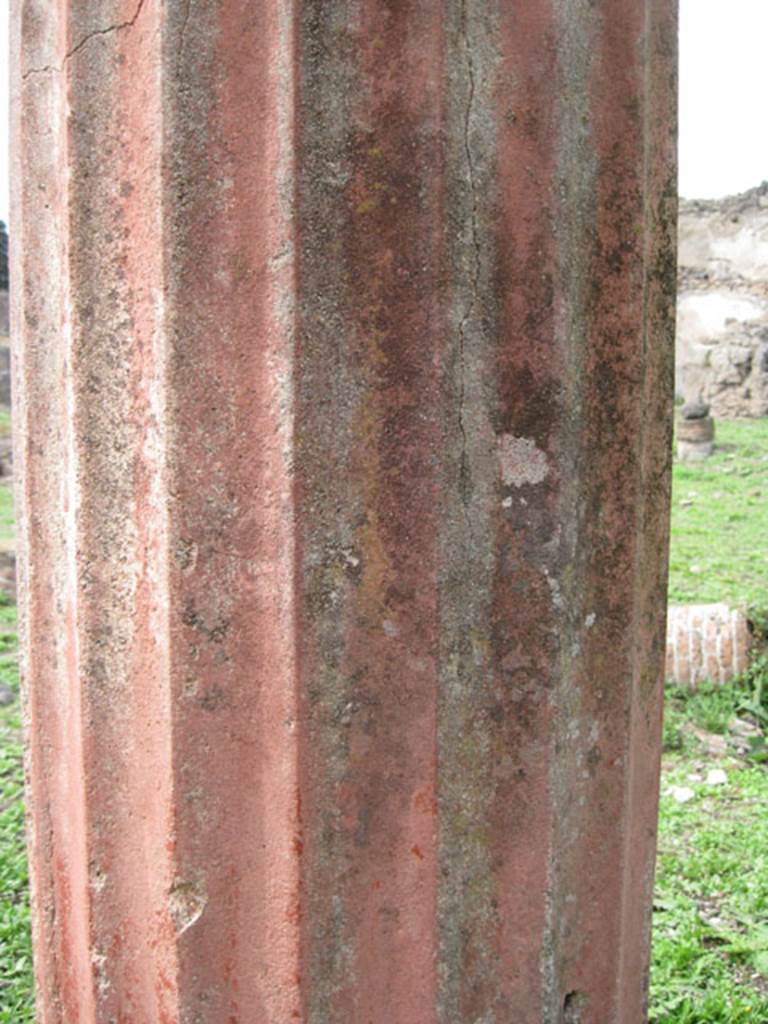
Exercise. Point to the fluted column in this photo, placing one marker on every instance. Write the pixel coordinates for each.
(343, 368)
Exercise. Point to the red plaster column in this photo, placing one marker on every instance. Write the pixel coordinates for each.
(343, 348)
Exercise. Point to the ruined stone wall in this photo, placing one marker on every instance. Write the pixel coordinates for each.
(722, 315)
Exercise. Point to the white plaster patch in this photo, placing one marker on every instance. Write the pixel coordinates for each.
(186, 905)
(521, 461)
(554, 589)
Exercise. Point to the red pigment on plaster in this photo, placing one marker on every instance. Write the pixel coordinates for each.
(613, 415)
(136, 853)
(237, 757)
(283, 902)
(390, 246)
(55, 796)
(528, 367)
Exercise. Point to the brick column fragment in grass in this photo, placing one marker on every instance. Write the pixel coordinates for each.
(343, 363)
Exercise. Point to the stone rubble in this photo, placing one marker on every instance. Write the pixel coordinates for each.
(722, 311)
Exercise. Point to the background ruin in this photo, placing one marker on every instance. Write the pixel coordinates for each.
(722, 312)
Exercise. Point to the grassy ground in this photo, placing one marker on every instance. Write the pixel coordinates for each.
(720, 521)
(5, 423)
(15, 952)
(710, 948)
(6, 512)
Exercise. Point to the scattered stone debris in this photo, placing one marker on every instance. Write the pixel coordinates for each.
(744, 735)
(713, 744)
(682, 794)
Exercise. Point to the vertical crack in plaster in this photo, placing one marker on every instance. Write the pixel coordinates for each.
(184, 23)
(86, 39)
(475, 244)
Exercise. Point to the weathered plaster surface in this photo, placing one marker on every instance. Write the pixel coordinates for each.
(343, 418)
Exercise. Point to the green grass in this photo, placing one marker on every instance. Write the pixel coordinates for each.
(6, 512)
(719, 524)
(710, 940)
(710, 936)
(710, 708)
(5, 422)
(15, 945)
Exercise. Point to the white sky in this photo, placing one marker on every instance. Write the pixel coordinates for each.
(723, 97)
(4, 110)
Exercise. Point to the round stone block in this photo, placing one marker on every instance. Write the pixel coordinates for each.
(694, 451)
(700, 430)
